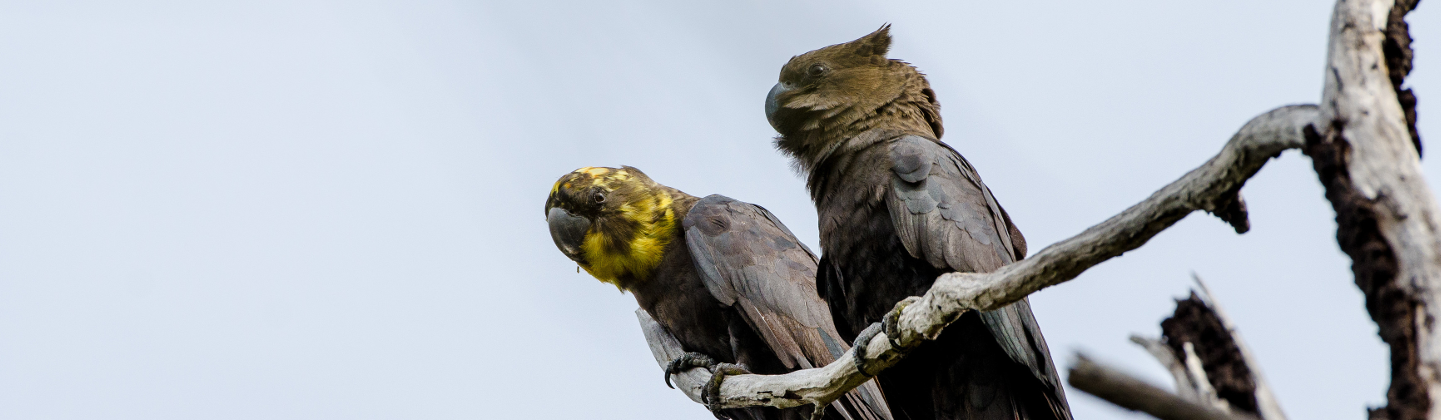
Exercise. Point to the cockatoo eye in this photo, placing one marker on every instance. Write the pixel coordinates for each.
(817, 70)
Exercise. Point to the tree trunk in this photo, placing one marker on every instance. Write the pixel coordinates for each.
(1368, 159)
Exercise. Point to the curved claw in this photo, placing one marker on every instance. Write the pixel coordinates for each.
(719, 371)
(687, 361)
(891, 322)
(888, 326)
(862, 341)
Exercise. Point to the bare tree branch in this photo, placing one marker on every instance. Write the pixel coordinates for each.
(1205, 392)
(1268, 407)
(1123, 390)
(1217, 369)
(1213, 187)
(1365, 149)
(1364, 152)
(1186, 387)
(1199, 322)
(1387, 220)
(665, 348)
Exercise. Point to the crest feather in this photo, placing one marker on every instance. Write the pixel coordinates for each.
(876, 43)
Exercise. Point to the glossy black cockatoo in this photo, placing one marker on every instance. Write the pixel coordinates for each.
(897, 208)
(725, 278)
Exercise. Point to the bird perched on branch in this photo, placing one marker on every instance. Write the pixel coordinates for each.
(724, 277)
(897, 208)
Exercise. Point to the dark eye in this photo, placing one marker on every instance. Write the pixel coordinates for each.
(598, 197)
(817, 70)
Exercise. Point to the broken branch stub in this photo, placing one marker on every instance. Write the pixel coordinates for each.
(1209, 361)
(1194, 325)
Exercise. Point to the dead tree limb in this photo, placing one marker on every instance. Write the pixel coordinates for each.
(1209, 361)
(665, 348)
(1268, 407)
(1134, 394)
(1365, 150)
(1214, 187)
(1367, 157)
(1187, 387)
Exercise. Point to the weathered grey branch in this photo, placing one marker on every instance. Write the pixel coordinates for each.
(1365, 149)
(1213, 187)
(665, 348)
(1123, 390)
(1387, 219)
(1205, 393)
(1200, 326)
(1266, 403)
(1186, 387)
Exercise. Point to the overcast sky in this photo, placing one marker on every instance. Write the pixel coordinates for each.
(333, 210)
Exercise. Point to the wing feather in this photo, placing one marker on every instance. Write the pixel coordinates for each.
(946, 216)
(749, 259)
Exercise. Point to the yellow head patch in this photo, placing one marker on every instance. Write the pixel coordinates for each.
(632, 221)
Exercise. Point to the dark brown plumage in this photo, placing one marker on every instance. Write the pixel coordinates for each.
(897, 208)
(726, 278)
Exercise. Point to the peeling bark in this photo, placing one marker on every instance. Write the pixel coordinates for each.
(1366, 155)
(1397, 48)
(1209, 361)
(1194, 323)
(1375, 268)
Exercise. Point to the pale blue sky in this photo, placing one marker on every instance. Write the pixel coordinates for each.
(333, 210)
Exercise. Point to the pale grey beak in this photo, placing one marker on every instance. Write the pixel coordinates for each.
(772, 104)
(568, 231)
